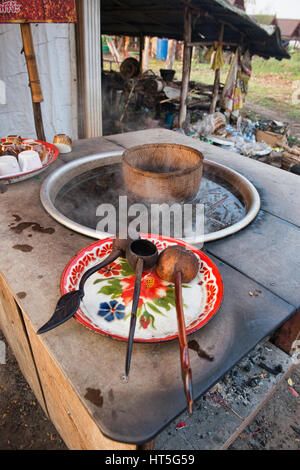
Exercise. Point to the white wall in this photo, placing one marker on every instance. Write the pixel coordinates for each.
(56, 61)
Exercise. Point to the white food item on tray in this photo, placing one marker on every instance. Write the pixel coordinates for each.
(9, 165)
(29, 141)
(29, 160)
(63, 142)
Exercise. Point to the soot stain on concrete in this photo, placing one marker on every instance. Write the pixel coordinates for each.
(36, 227)
(24, 248)
(94, 396)
(21, 295)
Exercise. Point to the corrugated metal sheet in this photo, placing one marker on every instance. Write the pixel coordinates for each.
(165, 19)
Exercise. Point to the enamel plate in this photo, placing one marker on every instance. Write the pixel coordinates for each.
(106, 305)
(53, 153)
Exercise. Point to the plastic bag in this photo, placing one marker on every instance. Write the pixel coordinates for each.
(251, 149)
(204, 126)
(209, 124)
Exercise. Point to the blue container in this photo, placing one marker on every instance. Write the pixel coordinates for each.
(162, 49)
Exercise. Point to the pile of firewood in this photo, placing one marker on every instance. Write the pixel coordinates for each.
(290, 156)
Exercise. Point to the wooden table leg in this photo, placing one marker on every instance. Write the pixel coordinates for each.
(285, 338)
(147, 445)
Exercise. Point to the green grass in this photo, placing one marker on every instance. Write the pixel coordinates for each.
(271, 83)
(288, 68)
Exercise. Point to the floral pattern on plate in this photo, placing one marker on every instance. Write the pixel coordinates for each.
(106, 306)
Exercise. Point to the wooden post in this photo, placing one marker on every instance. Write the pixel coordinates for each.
(217, 79)
(186, 68)
(113, 50)
(141, 48)
(171, 54)
(34, 80)
(147, 445)
(287, 337)
(145, 63)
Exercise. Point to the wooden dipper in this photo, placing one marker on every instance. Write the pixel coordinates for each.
(177, 264)
(68, 304)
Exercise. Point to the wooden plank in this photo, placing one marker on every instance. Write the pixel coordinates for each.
(216, 85)
(12, 325)
(34, 79)
(75, 425)
(186, 66)
(171, 54)
(147, 445)
(145, 58)
(141, 49)
(268, 252)
(288, 336)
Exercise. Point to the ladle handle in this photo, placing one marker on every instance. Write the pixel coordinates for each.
(109, 259)
(184, 350)
(136, 295)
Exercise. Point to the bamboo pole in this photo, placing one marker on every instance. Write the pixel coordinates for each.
(34, 80)
(145, 62)
(186, 67)
(171, 54)
(217, 78)
(141, 48)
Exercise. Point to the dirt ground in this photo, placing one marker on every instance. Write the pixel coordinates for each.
(24, 426)
(23, 423)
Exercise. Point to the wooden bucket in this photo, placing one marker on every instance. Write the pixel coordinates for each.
(162, 172)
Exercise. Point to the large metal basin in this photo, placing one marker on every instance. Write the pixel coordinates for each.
(72, 192)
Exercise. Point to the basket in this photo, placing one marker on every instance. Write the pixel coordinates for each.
(162, 172)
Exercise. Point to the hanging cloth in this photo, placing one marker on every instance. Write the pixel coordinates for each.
(208, 55)
(217, 60)
(227, 98)
(243, 76)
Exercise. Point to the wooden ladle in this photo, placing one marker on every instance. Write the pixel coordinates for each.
(178, 265)
(141, 255)
(69, 303)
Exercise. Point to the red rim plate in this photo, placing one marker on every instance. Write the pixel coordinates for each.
(193, 327)
(53, 156)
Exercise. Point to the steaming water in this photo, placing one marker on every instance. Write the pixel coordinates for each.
(80, 197)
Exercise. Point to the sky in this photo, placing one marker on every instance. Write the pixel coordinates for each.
(281, 8)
